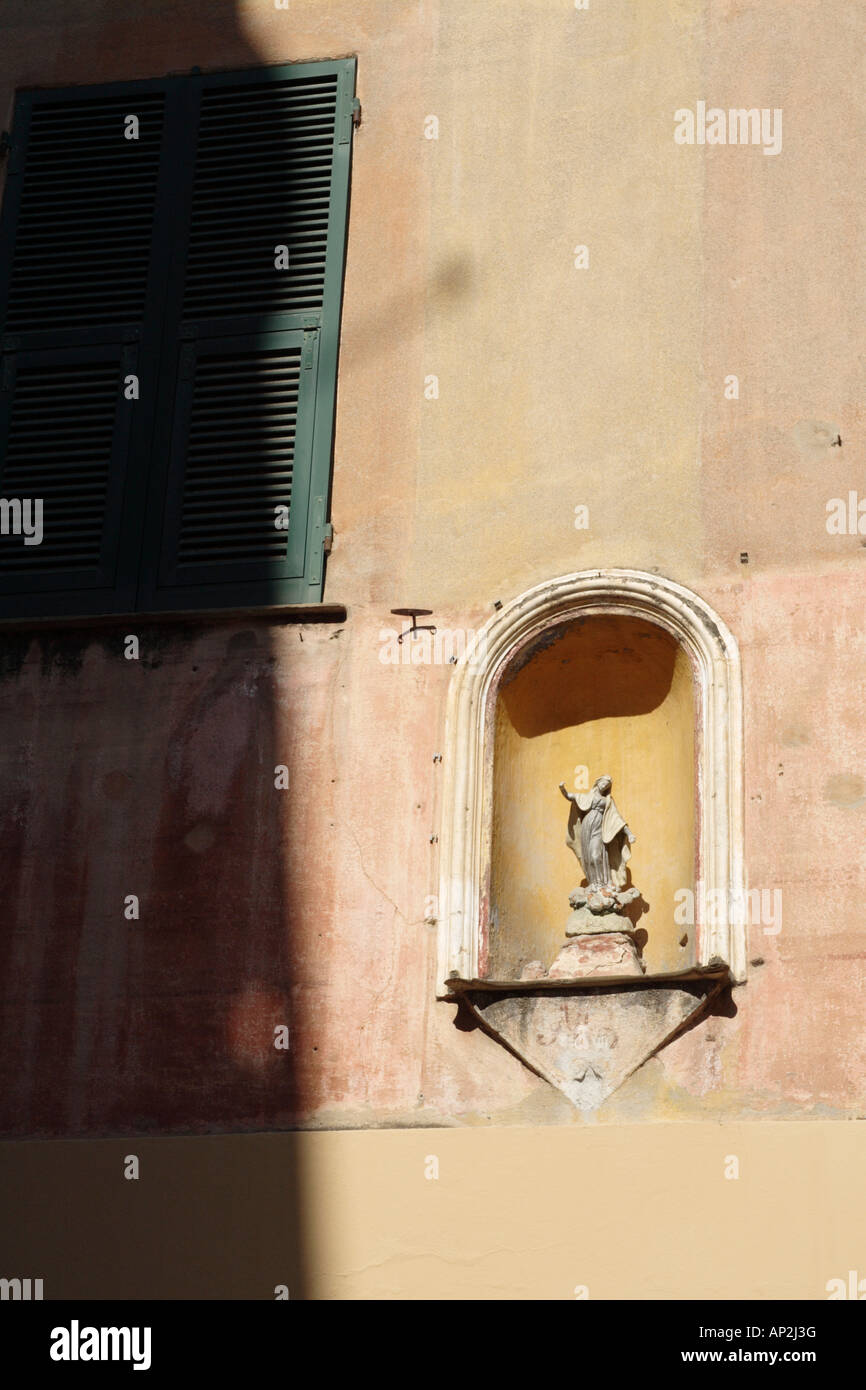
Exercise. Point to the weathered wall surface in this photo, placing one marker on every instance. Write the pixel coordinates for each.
(557, 387)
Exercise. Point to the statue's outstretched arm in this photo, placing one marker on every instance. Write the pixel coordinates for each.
(569, 796)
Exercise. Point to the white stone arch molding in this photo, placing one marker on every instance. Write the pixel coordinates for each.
(465, 837)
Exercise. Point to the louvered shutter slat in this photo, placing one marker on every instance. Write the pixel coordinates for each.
(243, 413)
(64, 432)
(248, 189)
(70, 248)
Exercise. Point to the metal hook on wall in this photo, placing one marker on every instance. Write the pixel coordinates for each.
(413, 613)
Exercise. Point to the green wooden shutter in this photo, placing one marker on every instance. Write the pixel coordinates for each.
(78, 279)
(247, 391)
(154, 257)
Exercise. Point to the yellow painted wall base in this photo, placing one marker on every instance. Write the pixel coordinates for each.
(635, 1212)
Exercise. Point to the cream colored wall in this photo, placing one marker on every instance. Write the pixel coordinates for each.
(558, 387)
(612, 696)
(513, 1214)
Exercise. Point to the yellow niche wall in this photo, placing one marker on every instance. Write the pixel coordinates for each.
(615, 695)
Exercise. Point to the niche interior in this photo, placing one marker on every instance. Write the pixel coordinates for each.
(603, 694)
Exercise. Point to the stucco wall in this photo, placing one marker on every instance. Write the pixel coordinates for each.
(557, 387)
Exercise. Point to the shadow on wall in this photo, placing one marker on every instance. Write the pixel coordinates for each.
(401, 314)
(588, 672)
(151, 868)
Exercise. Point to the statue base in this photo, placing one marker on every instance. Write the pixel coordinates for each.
(584, 922)
(609, 952)
(603, 938)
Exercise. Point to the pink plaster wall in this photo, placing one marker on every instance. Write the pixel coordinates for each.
(308, 906)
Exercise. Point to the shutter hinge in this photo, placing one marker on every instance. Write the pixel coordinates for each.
(7, 375)
(349, 107)
(321, 535)
(309, 344)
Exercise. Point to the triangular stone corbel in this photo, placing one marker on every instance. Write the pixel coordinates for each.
(586, 1042)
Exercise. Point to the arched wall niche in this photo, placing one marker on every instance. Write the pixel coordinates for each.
(487, 924)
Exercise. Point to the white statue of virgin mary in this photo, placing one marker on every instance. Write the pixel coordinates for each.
(599, 836)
